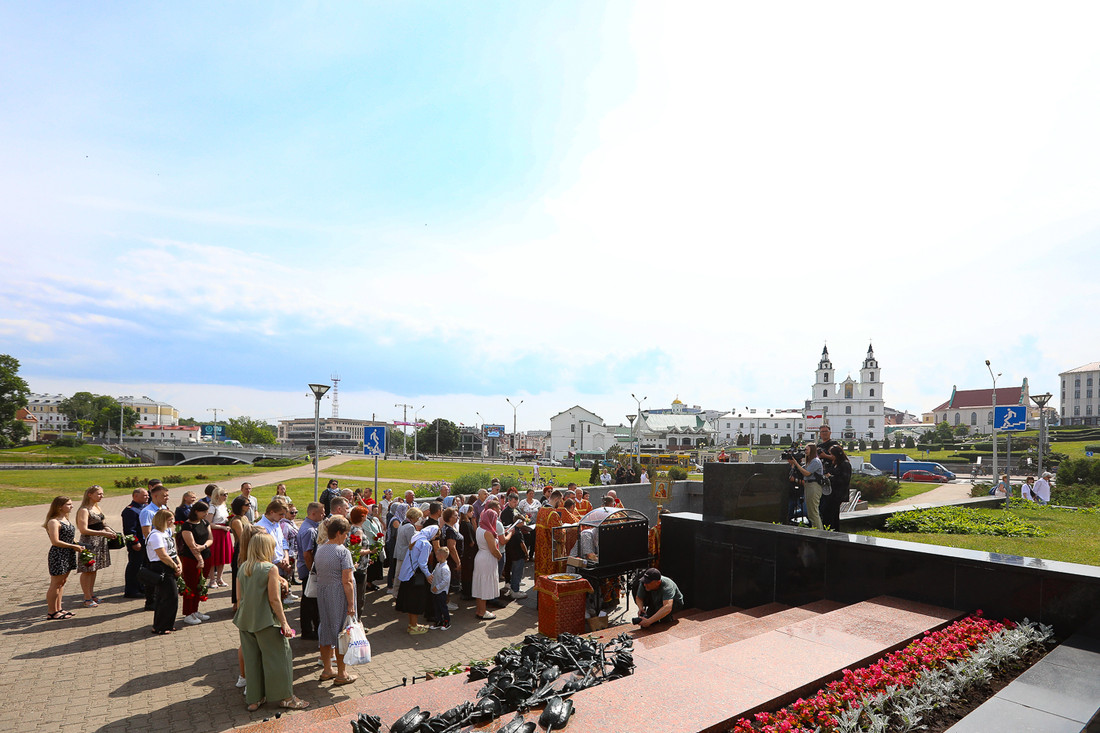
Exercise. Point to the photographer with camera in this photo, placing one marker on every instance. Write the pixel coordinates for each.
(796, 506)
(813, 476)
(840, 477)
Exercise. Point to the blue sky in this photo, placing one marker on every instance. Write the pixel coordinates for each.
(561, 203)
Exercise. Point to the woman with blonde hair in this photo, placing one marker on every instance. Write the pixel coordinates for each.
(264, 629)
(221, 551)
(93, 536)
(160, 549)
(61, 559)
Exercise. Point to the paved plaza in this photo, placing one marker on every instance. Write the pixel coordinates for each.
(103, 671)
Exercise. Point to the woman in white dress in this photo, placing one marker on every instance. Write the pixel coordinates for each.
(486, 587)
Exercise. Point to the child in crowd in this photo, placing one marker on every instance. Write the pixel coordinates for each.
(441, 583)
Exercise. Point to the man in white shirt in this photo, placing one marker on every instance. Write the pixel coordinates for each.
(270, 522)
(605, 476)
(158, 499)
(253, 507)
(1041, 489)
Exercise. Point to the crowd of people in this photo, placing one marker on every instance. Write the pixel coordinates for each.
(346, 546)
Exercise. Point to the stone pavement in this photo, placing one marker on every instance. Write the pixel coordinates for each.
(103, 671)
(942, 494)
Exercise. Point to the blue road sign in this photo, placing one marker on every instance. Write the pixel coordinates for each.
(1088, 454)
(1010, 418)
(374, 441)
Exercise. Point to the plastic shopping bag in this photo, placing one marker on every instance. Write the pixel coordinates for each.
(358, 648)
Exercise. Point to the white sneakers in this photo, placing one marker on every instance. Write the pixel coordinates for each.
(241, 682)
(202, 616)
(519, 595)
(192, 619)
(452, 606)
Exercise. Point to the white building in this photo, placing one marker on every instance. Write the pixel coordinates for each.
(757, 421)
(151, 412)
(676, 429)
(578, 429)
(974, 407)
(165, 433)
(1080, 396)
(293, 430)
(45, 408)
(853, 409)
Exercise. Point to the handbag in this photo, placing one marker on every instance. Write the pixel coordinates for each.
(826, 486)
(149, 576)
(357, 648)
(311, 585)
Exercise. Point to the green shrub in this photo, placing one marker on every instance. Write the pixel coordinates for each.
(471, 483)
(276, 462)
(68, 442)
(174, 478)
(676, 473)
(594, 474)
(874, 488)
(980, 489)
(1072, 472)
(1075, 495)
(130, 482)
(963, 520)
(909, 442)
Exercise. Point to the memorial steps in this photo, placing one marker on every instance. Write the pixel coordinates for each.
(696, 675)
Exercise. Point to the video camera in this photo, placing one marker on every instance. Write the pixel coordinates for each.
(795, 453)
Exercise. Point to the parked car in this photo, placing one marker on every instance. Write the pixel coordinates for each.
(868, 470)
(918, 475)
(419, 457)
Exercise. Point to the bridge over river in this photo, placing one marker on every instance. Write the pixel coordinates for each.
(182, 454)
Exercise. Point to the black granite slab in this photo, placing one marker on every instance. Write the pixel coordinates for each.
(758, 491)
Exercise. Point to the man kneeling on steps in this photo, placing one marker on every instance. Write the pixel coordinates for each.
(658, 598)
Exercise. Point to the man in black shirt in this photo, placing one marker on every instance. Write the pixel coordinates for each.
(515, 552)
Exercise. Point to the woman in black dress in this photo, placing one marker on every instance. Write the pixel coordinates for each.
(61, 559)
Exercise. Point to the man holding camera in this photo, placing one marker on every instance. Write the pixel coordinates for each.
(657, 597)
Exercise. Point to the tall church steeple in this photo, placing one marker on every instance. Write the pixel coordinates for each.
(870, 376)
(824, 374)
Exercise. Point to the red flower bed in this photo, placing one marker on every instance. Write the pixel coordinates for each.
(901, 668)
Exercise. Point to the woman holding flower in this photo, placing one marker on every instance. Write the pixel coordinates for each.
(197, 541)
(61, 559)
(375, 530)
(160, 548)
(93, 536)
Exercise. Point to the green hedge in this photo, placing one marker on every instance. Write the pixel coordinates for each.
(874, 488)
(963, 520)
(1079, 471)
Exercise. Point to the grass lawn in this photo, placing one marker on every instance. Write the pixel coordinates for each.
(1074, 537)
(300, 490)
(22, 488)
(906, 490)
(52, 454)
(449, 470)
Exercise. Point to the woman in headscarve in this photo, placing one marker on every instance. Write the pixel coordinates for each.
(413, 594)
(485, 585)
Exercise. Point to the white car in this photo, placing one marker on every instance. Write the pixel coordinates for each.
(868, 470)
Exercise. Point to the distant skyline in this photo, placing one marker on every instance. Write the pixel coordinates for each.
(564, 204)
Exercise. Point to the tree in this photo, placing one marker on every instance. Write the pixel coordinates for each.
(943, 432)
(874, 445)
(249, 431)
(395, 441)
(448, 436)
(189, 422)
(897, 441)
(765, 439)
(962, 430)
(14, 394)
(785, 440)
(909, 443)
(102, 411)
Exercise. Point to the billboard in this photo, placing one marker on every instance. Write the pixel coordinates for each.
(493, 431)
(213, 432)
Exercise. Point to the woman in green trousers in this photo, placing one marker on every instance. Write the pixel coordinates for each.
(264, 630)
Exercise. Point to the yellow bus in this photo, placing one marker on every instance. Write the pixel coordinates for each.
(659, 461)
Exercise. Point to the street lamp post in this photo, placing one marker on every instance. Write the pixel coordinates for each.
(214, 427)
(996, 476)
(481, 432)
(404, 419)
(416, 431)
(633, 434)
(318, 392)
(1041, 400)
(514, 408)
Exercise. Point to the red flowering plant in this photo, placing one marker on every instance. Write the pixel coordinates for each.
(181, 586)
(203, 587)
(355, 543)
(932, 651)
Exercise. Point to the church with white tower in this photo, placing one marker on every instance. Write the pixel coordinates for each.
(853, 409)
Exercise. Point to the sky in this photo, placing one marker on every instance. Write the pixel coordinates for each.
(451, 205)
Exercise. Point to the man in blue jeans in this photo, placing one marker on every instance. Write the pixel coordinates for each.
(515, 552)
